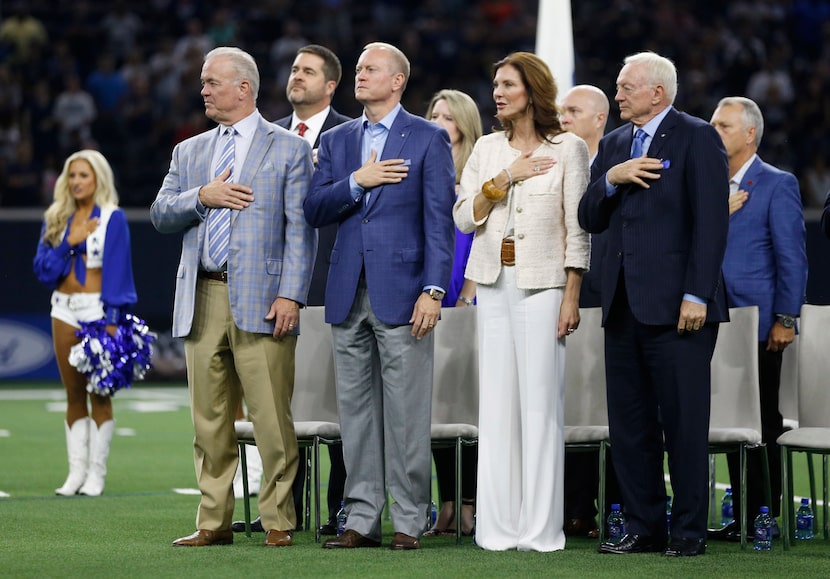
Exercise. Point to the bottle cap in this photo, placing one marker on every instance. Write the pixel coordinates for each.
(764, 509)
(805, 501)
(615, 506)
(728, 489)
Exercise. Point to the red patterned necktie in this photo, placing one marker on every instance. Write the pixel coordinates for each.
(302, 128)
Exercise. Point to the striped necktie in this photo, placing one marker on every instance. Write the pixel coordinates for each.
(219, 220)
(637, 145)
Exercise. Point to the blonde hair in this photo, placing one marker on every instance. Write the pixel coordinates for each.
(64, 205)
(466, 116)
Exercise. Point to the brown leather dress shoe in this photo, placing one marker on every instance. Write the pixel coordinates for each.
(581, 528)
(403, 542)
(350, 540)
(279, 538)
(204, 538)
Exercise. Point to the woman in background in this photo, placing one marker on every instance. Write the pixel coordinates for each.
(456, 112)
(84, 256)
(520, 192)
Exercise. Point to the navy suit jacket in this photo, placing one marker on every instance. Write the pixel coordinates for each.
(404, 236)
(669, 239)
(326, 235)
(766, 257)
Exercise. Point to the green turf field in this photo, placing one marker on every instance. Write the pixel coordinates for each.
(127, 532)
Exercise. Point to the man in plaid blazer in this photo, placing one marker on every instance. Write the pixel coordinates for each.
(239, 313)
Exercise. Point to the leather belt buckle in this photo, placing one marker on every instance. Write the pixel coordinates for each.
(508, 251)
(214, 275)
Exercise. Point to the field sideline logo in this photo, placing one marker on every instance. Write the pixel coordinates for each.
(23, 348)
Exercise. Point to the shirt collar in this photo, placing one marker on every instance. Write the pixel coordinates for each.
(385, 122)
(651, 127)
(739, 176)
(314, 122)
(244, 128)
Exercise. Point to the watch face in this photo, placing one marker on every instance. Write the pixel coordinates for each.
(787, 321)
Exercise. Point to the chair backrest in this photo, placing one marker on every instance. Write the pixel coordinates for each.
(735, 400)
(814, 367)
(455, 376)
(788, 391)
(585, 400)
(315, 395)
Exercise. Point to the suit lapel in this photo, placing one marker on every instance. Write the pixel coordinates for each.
(260, 145)
(751, 176)
(398, 134)
(664, 131)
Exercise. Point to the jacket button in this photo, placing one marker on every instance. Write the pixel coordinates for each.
(521, 236)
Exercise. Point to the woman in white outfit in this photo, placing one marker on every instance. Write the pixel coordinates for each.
(519, 192)
(84, 256)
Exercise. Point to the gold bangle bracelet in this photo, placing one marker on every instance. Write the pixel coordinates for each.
(491, 192)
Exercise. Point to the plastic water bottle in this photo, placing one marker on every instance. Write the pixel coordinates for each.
(616, 524)
(726, 514)
(804, 521)
(668, 515)
(341, 519)
(763, 531)
(432, 515)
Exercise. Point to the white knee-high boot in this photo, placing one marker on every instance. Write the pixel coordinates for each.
(77, 449)
(254, 473)
(99, 449)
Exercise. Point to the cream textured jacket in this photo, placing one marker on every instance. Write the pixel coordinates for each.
(546, 231)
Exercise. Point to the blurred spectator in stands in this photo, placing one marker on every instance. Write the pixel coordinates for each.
(21, 187)
(122, 28)
(223, 26)
(24, 34)
(74, 112)
(107, 86)
(285, 48)
(816, 181)
(194, 42)
(163, 72)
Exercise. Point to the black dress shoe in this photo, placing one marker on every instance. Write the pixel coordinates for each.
(633, 543)
(686, 548)
(256, 526)
(329, 529)
(581, 528)
(732, 532)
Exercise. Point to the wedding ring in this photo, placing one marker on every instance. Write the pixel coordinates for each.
(535, 169)
(290, 326)
(571, 330)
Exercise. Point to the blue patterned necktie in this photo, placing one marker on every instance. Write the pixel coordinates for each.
(637, 145)
(219, 220)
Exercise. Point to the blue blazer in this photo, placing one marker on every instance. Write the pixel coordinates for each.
(272, 248)
(766, 257)
(404, 236)
(669, 239)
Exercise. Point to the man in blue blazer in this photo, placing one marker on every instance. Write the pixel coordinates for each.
(766, 266)
(238, 309)
(659, 191)
(387, 180)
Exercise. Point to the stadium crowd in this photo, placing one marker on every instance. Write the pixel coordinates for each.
(116, 75)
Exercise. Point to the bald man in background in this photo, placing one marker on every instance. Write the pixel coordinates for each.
(585, 113)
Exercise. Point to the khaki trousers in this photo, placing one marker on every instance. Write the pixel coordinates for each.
(224, 362)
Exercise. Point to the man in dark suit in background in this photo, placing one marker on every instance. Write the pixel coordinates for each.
(314, 77)
(825, 216)
(387, 179)
(766, 266)
(665, 216)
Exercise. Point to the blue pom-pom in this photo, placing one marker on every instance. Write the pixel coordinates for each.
(111, 363)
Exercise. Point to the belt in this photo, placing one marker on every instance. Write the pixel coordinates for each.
(214, 275)
(508, 251)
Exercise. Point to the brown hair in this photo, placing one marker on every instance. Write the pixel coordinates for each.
(541, 92)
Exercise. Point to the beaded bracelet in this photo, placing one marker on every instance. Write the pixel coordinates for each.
(466, 300)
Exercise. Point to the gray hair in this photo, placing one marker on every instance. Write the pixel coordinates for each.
(751, 115)
(659, 70)
(398, 57)
(243, 64)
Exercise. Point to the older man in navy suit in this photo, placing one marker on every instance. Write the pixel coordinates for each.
(387, 180)
(765, 266)
(236, 193)
(659, 190)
